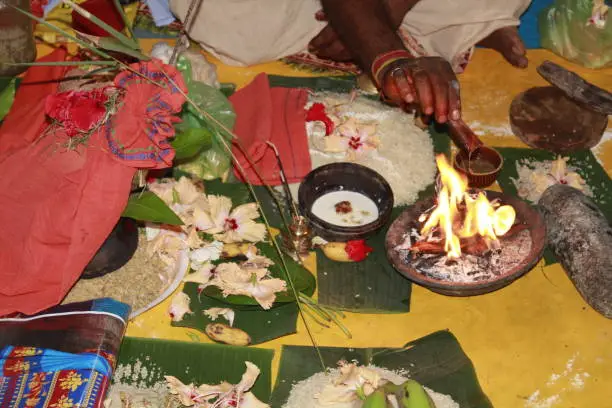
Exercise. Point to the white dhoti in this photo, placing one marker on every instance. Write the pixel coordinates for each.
(248, 32)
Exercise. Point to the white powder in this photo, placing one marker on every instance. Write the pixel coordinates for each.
(576, 381)
(303, 393)
(534, 401)
(405, 156)
(500, 131)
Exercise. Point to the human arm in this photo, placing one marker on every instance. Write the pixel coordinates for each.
(368, 29)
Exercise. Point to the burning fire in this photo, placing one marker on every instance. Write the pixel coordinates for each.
(461, 215)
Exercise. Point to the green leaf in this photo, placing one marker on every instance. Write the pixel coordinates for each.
(7, 96)
(436, 361)
(124, 17)
(192, 362)
(213, 102)
(261, 325)
(118, 36)
(147, 206)
(112, 44)
(191, 142)
(586, 165)
(340, 84)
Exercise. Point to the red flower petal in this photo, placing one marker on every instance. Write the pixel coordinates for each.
(357, 250)
(316, 113)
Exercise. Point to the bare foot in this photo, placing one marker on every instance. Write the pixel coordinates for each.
(507, 42)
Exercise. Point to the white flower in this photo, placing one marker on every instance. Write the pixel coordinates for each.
(179, 306)
(229, 226)
(255, 283)
(202, 275)
(223, 395)
(186, 394)
(214, 312)
(351, 380)
(209, 252)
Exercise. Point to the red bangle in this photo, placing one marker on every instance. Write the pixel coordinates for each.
(384, 60)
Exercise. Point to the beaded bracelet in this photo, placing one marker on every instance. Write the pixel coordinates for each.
(384, 60)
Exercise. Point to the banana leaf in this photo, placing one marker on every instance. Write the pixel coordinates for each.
(193, 362)
(261, 325)
(340, 84)
(586, 165)
(436, 361)
(373, 285)
(370, 286)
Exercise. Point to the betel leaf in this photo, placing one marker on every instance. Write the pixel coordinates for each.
(436, 361)
(261, 325)
(303, 280)
(191, 142)
(191, 362)
(146, 206)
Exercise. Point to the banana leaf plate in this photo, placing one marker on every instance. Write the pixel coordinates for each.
(150, 359)
(436, 361)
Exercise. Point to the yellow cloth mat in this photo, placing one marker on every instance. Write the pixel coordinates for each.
(535, 340)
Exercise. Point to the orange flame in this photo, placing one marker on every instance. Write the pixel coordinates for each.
(459, 215)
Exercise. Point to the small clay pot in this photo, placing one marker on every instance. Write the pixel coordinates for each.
(116, 251)
(479, 179)
(350, 177)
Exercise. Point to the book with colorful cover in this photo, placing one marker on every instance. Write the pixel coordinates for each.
(63, 357)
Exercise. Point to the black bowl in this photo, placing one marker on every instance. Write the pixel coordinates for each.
(351, 177)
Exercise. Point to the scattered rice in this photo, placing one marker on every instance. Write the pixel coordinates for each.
(303, 392)
(132, 388)
(405, 157)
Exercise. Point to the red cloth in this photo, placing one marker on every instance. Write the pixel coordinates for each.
(276, 115)
(105, 10)
(58, 205)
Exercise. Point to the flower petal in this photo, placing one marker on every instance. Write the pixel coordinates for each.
(209, 252)
(202, 275)
(187, 191)
(250, 401)
(219, 209)
(179, 306)
(251, 231)
(245, 212)
(215, 312)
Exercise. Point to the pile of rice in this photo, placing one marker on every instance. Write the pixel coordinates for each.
(530, 183)
(303, 393)
(405, 157)
(134, 386)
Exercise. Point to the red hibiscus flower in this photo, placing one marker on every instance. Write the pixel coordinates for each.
(77, 111)
(317, 113)
(357, 250)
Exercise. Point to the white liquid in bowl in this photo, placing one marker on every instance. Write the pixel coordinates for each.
(364, 209)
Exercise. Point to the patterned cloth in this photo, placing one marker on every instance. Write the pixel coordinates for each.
(61, 358)
(33, 377)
